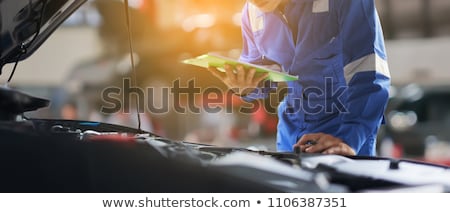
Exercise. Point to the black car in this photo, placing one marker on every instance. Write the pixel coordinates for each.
(417, 123)
(45, 155)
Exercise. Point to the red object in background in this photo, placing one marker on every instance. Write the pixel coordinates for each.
(235, 133)
(113, 138)
(397, 151)
(267, 121)
(443, 162)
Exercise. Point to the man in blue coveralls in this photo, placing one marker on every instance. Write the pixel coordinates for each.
(336, 48)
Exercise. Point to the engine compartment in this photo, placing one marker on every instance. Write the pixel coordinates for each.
(79, 156)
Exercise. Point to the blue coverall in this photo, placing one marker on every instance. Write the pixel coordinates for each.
(336, 47)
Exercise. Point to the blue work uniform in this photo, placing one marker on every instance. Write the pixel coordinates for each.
(336, 48)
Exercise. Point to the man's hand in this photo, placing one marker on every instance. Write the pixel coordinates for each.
(325, 144)
(238, 79)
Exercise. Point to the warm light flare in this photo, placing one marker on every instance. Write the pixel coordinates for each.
(198, 21)
(137, 4)
(237, 19)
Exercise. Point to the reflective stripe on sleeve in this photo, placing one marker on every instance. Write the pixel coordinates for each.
(371, 62)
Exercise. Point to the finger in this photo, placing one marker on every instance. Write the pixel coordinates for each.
(303, 141)
(230, 73)
(342, 149)
(305, 146)
(322, 144)
(309, 137)
(333, 150)
(250, 76)
(240, 74)
(218, 74)
(260, 78)
(212, 69)
(302, 147)
(319, 147)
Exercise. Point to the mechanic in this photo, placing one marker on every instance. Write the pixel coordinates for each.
(336, 48)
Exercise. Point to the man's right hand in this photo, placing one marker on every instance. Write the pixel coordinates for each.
(239, 80)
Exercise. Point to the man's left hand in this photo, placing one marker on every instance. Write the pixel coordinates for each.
(325, 144)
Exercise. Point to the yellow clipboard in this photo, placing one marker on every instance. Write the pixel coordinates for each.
(218, 61)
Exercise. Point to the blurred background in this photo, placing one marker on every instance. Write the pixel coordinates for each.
(89, 54)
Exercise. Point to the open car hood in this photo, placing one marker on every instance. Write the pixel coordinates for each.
(82, 156)
(26, 24)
